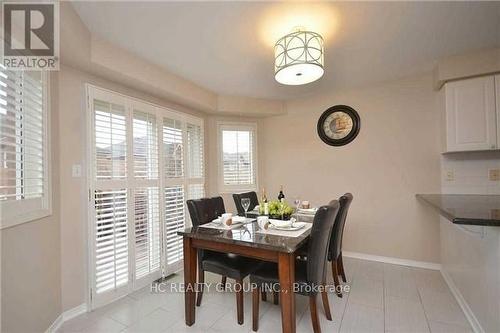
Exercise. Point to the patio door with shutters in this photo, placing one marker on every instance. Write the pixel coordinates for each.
(145, 162)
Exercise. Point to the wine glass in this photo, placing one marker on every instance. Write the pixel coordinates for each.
(245, 202)
(296, 201)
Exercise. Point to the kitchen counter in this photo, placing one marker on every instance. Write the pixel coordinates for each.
(466, 209)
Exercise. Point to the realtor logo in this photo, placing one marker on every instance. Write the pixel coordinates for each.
(30, 38)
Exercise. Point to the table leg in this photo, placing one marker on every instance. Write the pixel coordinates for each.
(286, 268)
(189, 281)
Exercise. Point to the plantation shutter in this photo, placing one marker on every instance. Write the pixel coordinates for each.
(23, 154)
(146, 194)
(238, 160)
(147, 161)
(111, 197)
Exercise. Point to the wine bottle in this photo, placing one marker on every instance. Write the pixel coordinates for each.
(264, 200)
(281, 196)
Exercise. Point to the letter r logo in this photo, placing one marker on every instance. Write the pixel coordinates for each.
(28, 29)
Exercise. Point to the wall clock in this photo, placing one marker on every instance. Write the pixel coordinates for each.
(339, 125)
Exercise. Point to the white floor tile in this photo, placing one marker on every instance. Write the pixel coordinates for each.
(437, 327)
(104, 325)
(383, 297)
(157, 321)
(404, 315)
(442, 307)
(361, 318)
(366, 291)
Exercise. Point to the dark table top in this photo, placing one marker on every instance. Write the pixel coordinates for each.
(247, 236)
(467, 209)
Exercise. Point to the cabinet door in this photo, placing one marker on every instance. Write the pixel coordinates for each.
(471, 114)
(497, 97)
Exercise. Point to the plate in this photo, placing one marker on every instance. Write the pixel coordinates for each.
(293, 227)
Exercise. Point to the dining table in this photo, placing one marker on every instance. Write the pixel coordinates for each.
(249, 241)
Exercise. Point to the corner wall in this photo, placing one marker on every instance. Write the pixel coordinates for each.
(30, 257)
(395, 156)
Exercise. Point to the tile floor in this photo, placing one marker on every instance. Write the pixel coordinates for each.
(383, 297)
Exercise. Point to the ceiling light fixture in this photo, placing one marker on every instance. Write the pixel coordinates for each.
(298, 58)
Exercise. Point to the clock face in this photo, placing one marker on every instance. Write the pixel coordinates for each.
(338, 125)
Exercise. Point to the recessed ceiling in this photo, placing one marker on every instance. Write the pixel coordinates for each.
(227, 47)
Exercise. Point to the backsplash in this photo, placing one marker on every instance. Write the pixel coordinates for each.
(470, 173)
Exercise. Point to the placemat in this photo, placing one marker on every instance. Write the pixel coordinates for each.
(286, 233)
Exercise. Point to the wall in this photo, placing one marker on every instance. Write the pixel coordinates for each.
(395, 156)
(31, 266)
(479, 260)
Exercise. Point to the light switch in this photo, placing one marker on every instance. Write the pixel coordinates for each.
(494, 174)
(76, 171)
(450, 175)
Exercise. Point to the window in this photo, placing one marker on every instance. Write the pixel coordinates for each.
(24, 153)
(237, 149)
(146, 161)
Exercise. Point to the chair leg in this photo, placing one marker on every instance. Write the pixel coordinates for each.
(276, 297)
(264, 295)
(314, 314)
(201, 280)
(335, 275)
(223, 282)
(326, 304)
(340, 264)
(239, 301)
(255, 309)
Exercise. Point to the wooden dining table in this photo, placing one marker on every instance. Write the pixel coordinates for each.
(248, 242)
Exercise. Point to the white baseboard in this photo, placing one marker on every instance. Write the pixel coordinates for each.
(474, 323)
(392, 260)
(65, 316)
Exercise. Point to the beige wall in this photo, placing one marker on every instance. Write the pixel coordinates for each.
(395, 156)
(31, 265)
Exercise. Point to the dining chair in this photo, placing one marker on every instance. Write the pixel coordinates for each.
(310, 275)
(335, 250)
(254, 201)
(228, 265)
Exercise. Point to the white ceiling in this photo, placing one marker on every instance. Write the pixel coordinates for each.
(227, 46)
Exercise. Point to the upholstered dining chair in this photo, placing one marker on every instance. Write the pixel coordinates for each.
(254, 201)
(228, 265)
(335, 250)
(309, 275)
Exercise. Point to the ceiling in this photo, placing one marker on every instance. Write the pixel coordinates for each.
(227, 47)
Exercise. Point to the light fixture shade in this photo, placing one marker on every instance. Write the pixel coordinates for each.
(298, 58)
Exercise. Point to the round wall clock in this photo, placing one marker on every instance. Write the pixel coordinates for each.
(339, 125)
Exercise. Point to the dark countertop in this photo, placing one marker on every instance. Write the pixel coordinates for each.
(469, 209)
(248, 236)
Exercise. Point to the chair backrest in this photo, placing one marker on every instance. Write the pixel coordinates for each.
(254, 201)
(338, 227)
(319, 242)
(205, 210)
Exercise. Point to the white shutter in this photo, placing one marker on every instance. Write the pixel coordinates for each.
(21, 135)
(174, 220)
(110, 141)
(111, 243)
(195, 150)
(146, 162)
(147, 231)
(238, 160)
(196, 191)
(145, 146)
(173, 154)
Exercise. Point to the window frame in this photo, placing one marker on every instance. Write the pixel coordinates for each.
(236, 126)
(17, 212)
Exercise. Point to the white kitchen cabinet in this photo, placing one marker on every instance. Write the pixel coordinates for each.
(471, 114)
